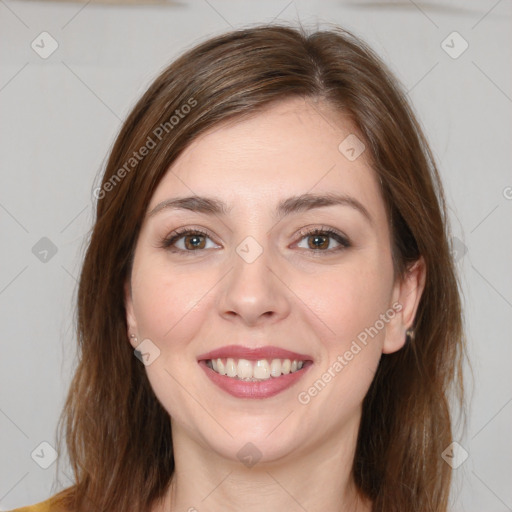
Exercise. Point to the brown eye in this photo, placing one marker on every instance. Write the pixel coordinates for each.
(318, 241)
(188, 241)
(323, 240)
(193, 242)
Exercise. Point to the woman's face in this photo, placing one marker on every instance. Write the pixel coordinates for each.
(282, 254)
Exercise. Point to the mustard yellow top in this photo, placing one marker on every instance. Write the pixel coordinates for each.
(43, 506)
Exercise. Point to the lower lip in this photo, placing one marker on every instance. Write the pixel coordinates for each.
(247, 389)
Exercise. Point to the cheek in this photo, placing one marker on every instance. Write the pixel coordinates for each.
(349, 305)
(170, 305)
(166, 302)
(347, 302)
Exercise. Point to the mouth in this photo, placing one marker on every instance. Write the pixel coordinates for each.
(254, 373)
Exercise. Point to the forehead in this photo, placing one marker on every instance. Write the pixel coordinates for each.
(290, 148)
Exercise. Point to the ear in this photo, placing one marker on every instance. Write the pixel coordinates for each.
(130, 315)
(406, 295)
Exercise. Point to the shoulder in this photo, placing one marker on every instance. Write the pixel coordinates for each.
(50, 505)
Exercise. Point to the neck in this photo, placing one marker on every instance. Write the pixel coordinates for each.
(316, 479)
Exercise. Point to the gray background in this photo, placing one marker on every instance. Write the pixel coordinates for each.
(60, 115)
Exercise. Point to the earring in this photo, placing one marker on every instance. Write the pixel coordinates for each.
(133, 337)
(409, 335)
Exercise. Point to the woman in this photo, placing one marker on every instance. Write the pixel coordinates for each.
(271, 243)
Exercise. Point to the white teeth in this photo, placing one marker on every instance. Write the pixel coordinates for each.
(244, 369)
(275, 368)
(261, 370)
(230, 367)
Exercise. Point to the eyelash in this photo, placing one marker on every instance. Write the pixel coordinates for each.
(342, 240)
(344, 243)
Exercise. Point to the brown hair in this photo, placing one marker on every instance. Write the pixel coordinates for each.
(117, 433)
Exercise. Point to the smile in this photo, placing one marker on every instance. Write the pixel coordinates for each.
(254, 373)
(246, 370)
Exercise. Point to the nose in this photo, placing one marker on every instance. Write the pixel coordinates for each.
(253, 293)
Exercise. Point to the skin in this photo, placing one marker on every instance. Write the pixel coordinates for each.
(294, 295)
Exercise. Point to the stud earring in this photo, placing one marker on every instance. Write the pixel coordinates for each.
(409, 335)
(133, 337)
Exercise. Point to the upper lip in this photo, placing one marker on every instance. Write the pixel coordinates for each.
(253, 354)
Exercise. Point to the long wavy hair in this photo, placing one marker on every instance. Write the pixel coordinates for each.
(118, 436)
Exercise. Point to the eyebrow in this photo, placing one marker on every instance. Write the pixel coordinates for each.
(295, 204)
